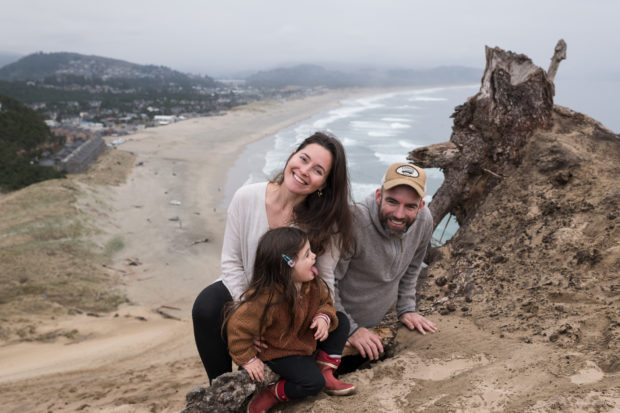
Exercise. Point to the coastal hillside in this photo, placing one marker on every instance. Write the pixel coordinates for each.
(72, 89)
(314, 76)
(63, 67)
(93, 88)
(301, 75)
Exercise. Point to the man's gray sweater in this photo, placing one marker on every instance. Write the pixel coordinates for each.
(384, 268)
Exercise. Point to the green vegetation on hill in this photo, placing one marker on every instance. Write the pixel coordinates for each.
(23, 134)
(67, 68)
(21, 126)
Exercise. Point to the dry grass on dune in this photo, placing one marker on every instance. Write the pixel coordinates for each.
(49, 265)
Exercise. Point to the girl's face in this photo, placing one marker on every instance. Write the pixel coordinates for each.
(304, 269)
(307, 170)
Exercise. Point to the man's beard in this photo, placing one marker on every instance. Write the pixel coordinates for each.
(394, 231)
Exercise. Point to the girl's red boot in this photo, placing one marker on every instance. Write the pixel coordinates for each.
(267, 398)
(328, 366)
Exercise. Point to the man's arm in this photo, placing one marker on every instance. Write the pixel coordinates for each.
(407, 286)
(406, 303)
(367, 343)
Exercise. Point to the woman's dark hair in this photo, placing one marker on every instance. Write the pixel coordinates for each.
(272, 274)
(327, 215)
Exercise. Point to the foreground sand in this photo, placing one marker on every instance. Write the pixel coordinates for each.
(138, 360)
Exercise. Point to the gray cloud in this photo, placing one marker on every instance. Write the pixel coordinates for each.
(209, 37)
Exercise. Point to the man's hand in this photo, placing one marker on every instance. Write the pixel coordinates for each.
(367, 343)
(415, 321)
(256, 369)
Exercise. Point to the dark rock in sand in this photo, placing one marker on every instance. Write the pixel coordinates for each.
(441, 281)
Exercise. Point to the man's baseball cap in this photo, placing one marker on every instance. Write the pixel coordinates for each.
(403, 173)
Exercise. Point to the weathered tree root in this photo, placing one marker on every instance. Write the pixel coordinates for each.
(489, 132)
(228, 393)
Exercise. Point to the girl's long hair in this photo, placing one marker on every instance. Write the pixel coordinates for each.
(272, 274)
(328, 215)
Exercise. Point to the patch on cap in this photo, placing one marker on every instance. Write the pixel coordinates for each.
(407, 170)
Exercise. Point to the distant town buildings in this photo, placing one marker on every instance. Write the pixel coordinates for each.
(164, 119)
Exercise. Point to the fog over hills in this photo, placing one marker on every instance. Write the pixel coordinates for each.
(69, 66)
(310, 75)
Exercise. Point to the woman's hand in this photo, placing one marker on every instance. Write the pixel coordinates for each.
(256, 369)
(321, 328)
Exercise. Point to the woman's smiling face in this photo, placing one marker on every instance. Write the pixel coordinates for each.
(308, 169)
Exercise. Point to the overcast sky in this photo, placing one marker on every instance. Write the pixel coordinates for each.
(215, 38)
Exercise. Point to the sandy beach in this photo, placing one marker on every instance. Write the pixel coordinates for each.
(167, 217)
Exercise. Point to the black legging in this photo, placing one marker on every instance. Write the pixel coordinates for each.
(213, 344)
(303, 376)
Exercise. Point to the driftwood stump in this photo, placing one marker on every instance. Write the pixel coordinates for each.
(230, 392)
(490, 129)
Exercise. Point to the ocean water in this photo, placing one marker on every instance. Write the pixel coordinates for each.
(376, 131)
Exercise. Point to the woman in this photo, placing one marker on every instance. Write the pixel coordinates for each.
(312, 193)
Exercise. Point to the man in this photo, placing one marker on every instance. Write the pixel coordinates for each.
(392, 230)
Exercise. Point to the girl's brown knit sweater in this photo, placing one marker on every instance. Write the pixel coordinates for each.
(244, 323)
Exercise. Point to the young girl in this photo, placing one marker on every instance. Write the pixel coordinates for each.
(290, 308)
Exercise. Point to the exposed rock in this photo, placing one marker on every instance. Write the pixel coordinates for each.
(535, 190)
(441, 281)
